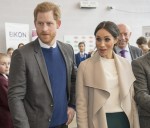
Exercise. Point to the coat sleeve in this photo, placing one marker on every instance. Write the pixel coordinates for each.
(134, 111)
(3, 93)
(17, 90)
(81, 99)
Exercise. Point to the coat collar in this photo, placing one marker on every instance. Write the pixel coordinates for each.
(123, 68)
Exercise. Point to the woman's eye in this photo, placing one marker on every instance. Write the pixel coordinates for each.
(98, 39)
(107, 39)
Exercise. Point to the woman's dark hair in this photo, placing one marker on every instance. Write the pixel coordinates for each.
(109, 26)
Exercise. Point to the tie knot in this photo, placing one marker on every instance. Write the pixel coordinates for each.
(122, 52)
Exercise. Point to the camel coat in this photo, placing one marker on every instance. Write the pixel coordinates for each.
(92, 92)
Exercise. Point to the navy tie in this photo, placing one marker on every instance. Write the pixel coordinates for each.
(122, 52)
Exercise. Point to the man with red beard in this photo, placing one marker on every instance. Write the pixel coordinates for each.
(123, 48)
(42, 76)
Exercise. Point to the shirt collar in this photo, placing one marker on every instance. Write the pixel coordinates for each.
(5, 76)
(119, 49)
(43, 45)
(81, 53)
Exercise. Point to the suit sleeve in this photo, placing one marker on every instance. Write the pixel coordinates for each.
(142, 96)
(73, 80)
(17, 90)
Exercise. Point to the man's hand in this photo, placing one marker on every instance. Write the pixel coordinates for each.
(71, 113)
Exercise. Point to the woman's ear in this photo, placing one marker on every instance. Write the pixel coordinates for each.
(116, 40)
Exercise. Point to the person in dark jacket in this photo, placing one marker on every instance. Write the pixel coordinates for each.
(5, 116)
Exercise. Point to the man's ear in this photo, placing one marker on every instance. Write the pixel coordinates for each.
(130, 34)
(58, 24)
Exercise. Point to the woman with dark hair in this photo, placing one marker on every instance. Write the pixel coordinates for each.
(104, 86)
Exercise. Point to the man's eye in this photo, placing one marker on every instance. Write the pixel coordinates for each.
(49, 23)
(125, 34)
(40, 23)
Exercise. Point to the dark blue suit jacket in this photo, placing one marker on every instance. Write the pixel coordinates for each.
(79, 59)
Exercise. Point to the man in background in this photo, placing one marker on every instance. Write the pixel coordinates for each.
(143, 44)
(81, 55)
(123, 47)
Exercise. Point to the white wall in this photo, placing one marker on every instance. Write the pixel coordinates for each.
(77, 21)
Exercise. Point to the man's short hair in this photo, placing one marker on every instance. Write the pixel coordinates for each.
(141, 40)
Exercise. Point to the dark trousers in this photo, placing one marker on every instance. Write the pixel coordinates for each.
(61, 126)
(117, 120)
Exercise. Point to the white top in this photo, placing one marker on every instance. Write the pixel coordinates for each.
(113, 103)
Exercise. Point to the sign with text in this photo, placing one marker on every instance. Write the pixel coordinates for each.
(74, 40)
(16, 33)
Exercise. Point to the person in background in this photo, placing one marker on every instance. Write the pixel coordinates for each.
(123, 47)
(42, 76)
(142, 44)
(20, 45)
(81, 55)
(5, 116)
(104, 89)
(10, 51)
(141, 69)
(149, 43)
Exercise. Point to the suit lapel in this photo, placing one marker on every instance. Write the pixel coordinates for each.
(66, 56)
(148, 58)
(42, 65)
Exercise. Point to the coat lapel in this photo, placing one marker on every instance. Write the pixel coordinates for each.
(99, 84)
(124, 71)
(42, 65)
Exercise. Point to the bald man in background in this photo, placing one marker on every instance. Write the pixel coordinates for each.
(123, 47)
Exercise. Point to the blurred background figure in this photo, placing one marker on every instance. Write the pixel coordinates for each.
(20, 45)
(10, 51)
(5, 116)
(143, 44)
(149, 43)
(81, 55)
